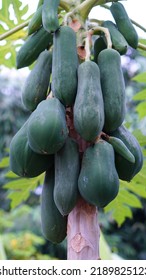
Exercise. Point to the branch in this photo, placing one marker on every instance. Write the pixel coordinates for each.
(85, 7)
(142, 46)
(14, 30)
(65, 5)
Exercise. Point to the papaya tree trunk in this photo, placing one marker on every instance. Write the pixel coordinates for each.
(83, 231)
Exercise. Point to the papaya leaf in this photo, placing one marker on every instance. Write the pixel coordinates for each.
(127, 199)
(140, 137)
(12, 13)
(19, 190)
(140, 95)
(4, 162)
(11, 175)
(144, 153)
(141, 109)
(14, 7)
(119, 210)
(141, 78)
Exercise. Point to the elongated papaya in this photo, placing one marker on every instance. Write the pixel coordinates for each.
(113, 88)
(127, 170)
(89, 107)
(67, 166)
(36, 21)
(33, 46)
(119, 43)
(98, 180)
(47, 129)
(36, 85)
(40, 3)
(23, 160)
(124, 24)
(64, 65)
(121, 148)
(54, 225)
(50, 15)
(99, 45)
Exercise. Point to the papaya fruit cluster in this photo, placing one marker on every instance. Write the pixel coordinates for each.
(50, 140)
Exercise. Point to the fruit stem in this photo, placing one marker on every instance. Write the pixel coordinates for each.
(87, 46)
(98, 29)
(65, 5)
(14, 30)
(142, 46)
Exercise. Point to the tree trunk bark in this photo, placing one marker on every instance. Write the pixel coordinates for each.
(83, 232)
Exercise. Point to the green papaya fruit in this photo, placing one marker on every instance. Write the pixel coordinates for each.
(40, 3)
(99, 45)
(64, 65)
(37, 83)
(23, 160)
(54, 225)
(47, 128)
(124, 24)
(121, 148)
(33, 46)
(89, 108)
(98, 181)
(127, 170)
(113, 88)
(50, 15)
(119, 43)
(67, 166)
(36, 21)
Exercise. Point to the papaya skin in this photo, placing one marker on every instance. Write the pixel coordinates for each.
(54, 225)
(124, 24)
(89, 106)
(113, 89)
(23, 160)
(33, 46)
(67, 166)
(47, 129)
(64, 65)
(50, 15)
(37, 83)
(119, 43)
(127, 170)
(98, 180)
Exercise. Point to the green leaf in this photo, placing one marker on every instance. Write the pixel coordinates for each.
(144, 153)
(121, 206)
(12, 42)
(141, 78)
(119, 211)
(11, 175)
(20, 189)
(129, 198)
(4, 162)
(138, 189)
(140, 95)
(140, 137)
(141, 109)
